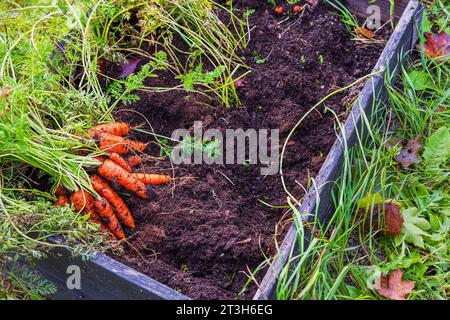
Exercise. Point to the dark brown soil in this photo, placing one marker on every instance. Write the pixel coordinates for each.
(203, 235)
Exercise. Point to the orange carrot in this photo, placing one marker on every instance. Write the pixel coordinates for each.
(95, 218)
(136, 145)
(116, 128)
(115, 173)
(106, 212)
(83, 201)
(133, 161)
(112, 143)
(149, 178)
(121, 209)
(120, 145)
(120, 161)
(62, 201)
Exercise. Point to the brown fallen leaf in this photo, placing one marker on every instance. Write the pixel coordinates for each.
(389, 213)
(392, 286)
(409, 153)
(437, 45)
(393, 219)
(365, 33)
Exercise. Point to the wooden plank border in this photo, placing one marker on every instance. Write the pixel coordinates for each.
(102, 278)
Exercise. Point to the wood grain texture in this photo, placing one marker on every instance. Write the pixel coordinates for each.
(359, 8)
(102, 278)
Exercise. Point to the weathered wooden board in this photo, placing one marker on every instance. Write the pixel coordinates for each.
(101, 278)
(105, 278)
(359, 8)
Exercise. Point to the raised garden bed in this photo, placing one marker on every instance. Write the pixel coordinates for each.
(207, 231)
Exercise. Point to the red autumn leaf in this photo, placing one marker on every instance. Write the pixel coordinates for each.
(392, 286)
(384, 216)
(393, 219)
(409, 153)
(364, 33)
(437, 45)
(128, 67)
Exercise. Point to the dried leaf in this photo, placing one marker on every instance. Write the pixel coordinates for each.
(437, 45)
(392, 286)
(128, 67)
(313, 2)
(391, 219)
(409, 153)
(364, 33)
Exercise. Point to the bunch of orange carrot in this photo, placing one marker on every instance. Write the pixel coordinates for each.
(108, 209)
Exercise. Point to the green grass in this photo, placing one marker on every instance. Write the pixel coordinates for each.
(342, 259)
